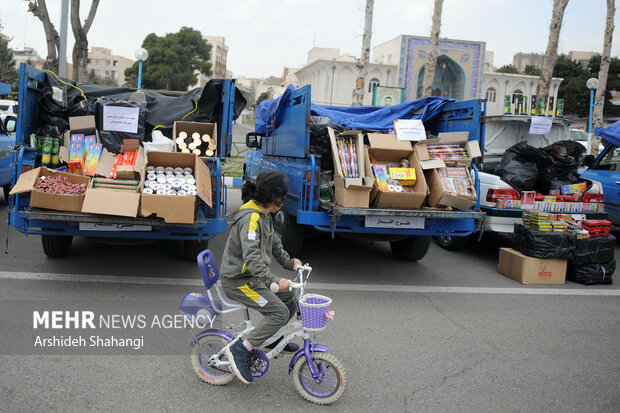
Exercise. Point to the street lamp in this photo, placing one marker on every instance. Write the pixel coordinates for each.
(592, 84)
(141, 54)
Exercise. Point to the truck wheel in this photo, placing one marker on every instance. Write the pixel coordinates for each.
(450, 243)
(290, 231)
(56, 246)
(412, 248)
(6, 189)
(191, 248)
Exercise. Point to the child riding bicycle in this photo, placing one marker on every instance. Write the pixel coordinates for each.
(245, 274)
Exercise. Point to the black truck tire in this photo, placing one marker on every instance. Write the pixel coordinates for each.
(291, 233)
(191, 248)
(6, 189)
(411, 248)
(56, 246)
(450, 243)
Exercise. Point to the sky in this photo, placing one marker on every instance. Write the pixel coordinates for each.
(264, 36)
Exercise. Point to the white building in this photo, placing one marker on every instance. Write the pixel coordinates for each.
(219, 56)
(332, 77)
(108, 67)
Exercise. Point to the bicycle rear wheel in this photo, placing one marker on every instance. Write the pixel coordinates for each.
(330, 384)
(204, 348)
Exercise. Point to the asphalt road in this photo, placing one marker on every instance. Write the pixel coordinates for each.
(445, 334)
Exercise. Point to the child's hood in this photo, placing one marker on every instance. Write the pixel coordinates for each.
(247, 208)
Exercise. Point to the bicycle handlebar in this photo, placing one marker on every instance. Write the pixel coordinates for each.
(275, 287)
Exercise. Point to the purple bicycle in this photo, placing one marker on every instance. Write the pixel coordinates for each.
(318, 376)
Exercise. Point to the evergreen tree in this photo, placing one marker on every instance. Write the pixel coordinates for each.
(507, 69)
(8, 70)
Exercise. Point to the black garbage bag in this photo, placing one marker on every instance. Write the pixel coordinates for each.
(113, 139)
(520, 166)
(319, 139)
(561, 161)
(543, 244)
(594, 250)
(589, 274)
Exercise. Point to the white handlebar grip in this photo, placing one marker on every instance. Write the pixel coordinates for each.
(274, 288)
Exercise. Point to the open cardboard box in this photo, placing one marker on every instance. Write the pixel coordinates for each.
(190, 128)
(530, 270)
(174, 208)
(351, 192)
(106, 162)
(447, 138)
(386, 149)
(438, 195)
(28, 180)
(78, 124)
(111, 202)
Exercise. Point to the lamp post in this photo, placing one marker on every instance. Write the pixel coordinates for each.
(592, 84)
(141, 54)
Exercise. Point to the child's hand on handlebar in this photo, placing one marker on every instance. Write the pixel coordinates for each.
(297, 264)
(284, 284)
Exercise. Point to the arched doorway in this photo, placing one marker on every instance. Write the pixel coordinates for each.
(449, 81)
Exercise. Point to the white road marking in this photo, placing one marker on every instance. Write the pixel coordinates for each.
(525, 290)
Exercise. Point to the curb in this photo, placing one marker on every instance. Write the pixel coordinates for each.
(232, 182)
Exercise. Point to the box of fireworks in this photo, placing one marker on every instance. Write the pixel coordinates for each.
(170, 184)
(449, 147)
(543, 244)
(82, 129)
(351, 185)
(597, 227)
(199, 138)
(594, 250)
(107, 196)
(573, 189)
(593, 273)
(52, 189)
(450, 186)
(387, 152)
(530, 270)
(126, 165)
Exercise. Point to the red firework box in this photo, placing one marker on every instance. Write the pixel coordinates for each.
(597, 227)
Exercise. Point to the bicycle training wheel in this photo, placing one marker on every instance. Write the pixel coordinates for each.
(201, 351)
(331, 382)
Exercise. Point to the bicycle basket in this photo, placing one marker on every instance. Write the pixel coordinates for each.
(313, 308)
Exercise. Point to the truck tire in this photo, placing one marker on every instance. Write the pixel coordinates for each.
(450, 243)
(6, 189)
(56, 246)
(412, 248)
(191, 248)
(291, 233)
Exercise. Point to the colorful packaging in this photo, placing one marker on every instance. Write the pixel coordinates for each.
(574, 189)
(92, 158)
(405, 176)
(76, 147)
(381, 176)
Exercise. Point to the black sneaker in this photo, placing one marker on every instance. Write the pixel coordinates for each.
(289, 348)
(239, 358)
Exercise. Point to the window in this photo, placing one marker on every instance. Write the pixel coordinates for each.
(517, 96)
(107, 73)
(107, 63)
(115, 63)
(371, 85)
(491, 95)
(611, 161)
(113, 73)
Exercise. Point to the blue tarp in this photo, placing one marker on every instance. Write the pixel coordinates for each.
(268, 113)
(612, 133)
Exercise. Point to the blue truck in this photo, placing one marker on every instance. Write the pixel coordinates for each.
(286, 148)
(58, 228)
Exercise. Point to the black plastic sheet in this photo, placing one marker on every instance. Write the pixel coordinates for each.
(594, 250)
(562, 161)
(589, 274)
(319, 140)
(113, 140)
(520, 166)
(543, 244)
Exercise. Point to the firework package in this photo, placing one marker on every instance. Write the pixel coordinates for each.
(198, 138)
(352, 181)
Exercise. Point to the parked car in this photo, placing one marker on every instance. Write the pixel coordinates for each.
(7, 142)
(7, 108)
(581, 136)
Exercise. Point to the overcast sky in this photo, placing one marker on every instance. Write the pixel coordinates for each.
(263, 36)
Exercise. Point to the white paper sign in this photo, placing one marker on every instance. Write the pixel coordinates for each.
(120, 119)
(394, 222)
(541, 125)
(409, 130)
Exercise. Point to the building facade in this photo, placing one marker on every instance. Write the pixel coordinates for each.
(108, 67)
(583, 58)
(219, 56)
(520, 60)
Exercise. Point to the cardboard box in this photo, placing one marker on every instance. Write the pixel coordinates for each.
(111, 202)
(529, 270)
(28, 180)
(440, 197)
(447, 138)
(78, 124)
(386, 149)
(201, 128)
(106, 162)
(351, 192)
(173, 208)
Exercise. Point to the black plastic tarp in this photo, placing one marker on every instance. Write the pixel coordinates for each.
(594, 250)
(543, 244)
(589, 274)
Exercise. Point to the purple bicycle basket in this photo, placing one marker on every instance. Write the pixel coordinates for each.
(313, 309)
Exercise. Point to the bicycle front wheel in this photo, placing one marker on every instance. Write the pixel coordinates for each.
(204, 348)
(330, 384)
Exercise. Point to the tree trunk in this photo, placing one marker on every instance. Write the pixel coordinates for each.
(433, 52)
(542, 90)
(39, 9)
(599, 97)
(80, 47)
(362, 65)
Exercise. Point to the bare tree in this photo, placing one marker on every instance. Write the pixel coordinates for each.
(362, 63)
(80, 47)
(542, 90)
(597, 115)
(39, 9)
(433, 52)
